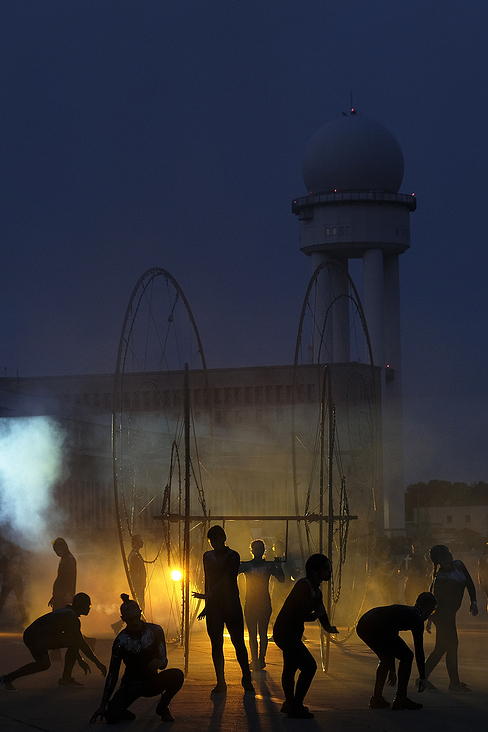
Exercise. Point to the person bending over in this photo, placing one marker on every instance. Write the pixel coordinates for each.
(58, 629)
(223, 607)
(142, 648)
(257, 608)
(379, 628)
(303, 604)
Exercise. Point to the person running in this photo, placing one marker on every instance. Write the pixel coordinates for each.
(303, 604)
(257, 607)
(450, 580)
(223, 607)
(142, 648)
(58, 629)
(379, 628)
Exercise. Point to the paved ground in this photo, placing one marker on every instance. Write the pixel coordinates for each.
(339, 699)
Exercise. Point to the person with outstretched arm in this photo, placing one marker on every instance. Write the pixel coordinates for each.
(257, 608)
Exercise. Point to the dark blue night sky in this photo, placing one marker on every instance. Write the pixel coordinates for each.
(171, 134)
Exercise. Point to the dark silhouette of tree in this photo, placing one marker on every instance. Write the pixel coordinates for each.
(444, 493)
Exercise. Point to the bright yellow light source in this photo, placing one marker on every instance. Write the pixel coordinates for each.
(176, 575)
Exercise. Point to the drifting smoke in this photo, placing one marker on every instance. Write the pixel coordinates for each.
(31, 452)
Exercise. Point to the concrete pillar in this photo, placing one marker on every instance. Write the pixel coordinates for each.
(373, 302)
(393, 355)
(322, 308)
(392, 402)
(340, 315)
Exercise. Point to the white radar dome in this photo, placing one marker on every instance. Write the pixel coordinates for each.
(353, 153)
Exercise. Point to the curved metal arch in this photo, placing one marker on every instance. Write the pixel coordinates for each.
(138, 292)
(355, 299)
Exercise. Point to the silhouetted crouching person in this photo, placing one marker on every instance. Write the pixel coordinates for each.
(379, 628)
(303, 604)
(59, 629)
(142, 648)
(223, 607)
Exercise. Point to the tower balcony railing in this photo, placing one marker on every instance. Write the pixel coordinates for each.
(339, 197)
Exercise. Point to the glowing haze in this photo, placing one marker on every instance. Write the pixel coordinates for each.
(31, 461)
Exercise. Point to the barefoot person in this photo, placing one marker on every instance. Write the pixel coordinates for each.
(303, 604)
(223, 607)
(379, 628)
(64, 586)
(451, 578)
(142, 648)
(137, 568)
(257, 608)
(58, 629)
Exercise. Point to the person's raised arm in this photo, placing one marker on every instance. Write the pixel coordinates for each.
(277, 570)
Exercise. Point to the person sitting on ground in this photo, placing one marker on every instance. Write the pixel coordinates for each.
(58, 629)
(223, 607)
(379, 628)
(142, 648)
(303, 604)
(257, 608)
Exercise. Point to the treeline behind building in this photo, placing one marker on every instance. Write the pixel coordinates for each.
(444, 493)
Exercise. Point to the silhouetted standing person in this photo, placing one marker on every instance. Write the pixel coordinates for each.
(257, 607)
(59, 629)
(379, 628)
(64, 587)
(303, 604)
(223, 607)
(483, 572)
(142, 648)
(451, 578)
(386, 574)
(137, 568)
(414, 568)
(12, 567)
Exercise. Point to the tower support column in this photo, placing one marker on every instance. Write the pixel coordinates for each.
(373, 302)
(392, 400)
